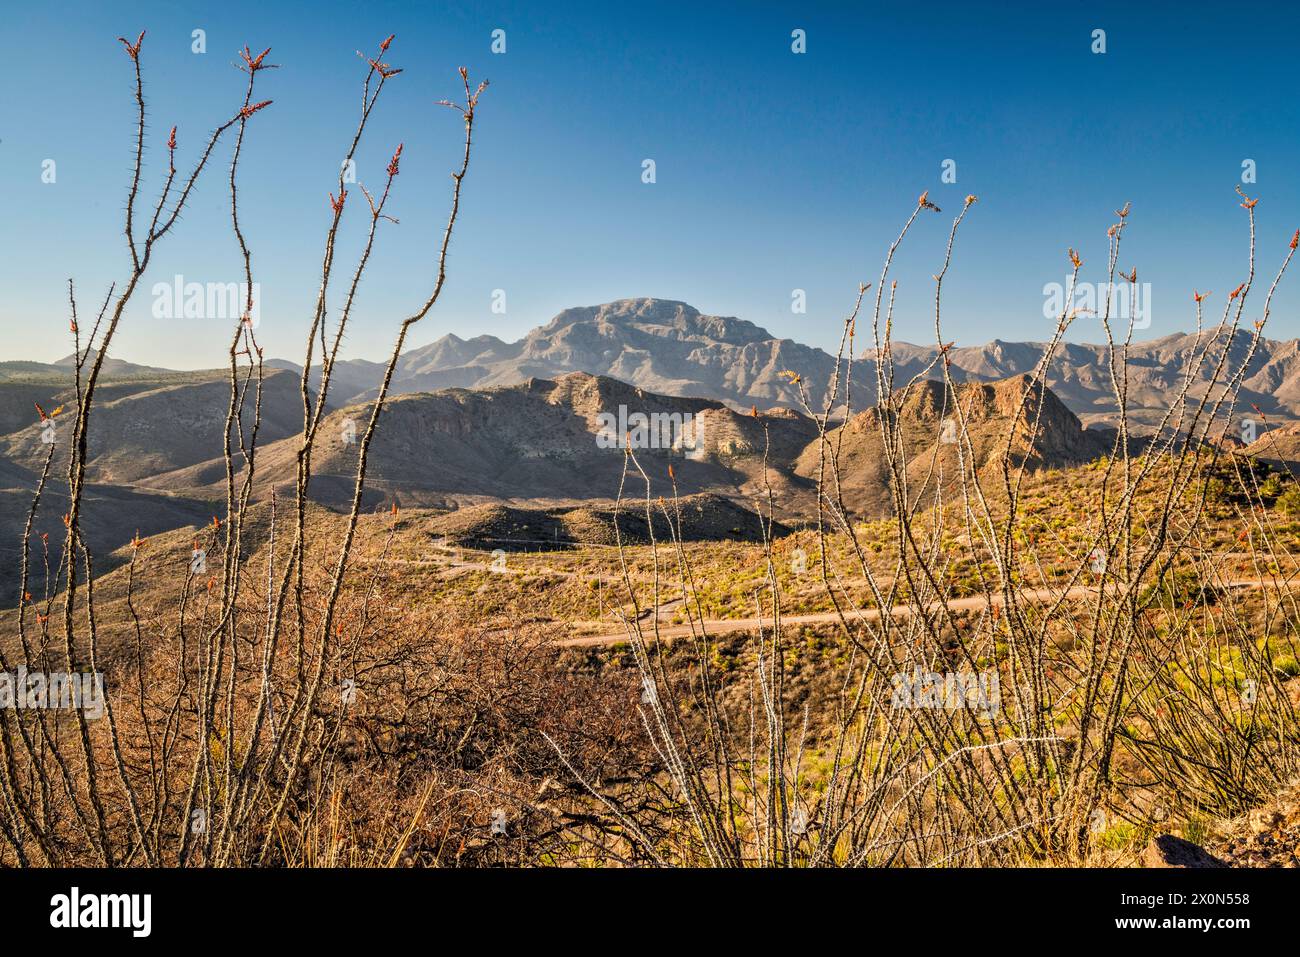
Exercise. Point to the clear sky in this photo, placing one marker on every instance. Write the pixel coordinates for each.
(775, 170)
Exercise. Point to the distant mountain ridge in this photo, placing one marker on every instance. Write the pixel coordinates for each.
(672, 348)
(481, 423)
(657, 344)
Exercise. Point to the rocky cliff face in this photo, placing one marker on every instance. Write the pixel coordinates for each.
(1080, 374)
(972, 424)
(475, 420)
(664, 346)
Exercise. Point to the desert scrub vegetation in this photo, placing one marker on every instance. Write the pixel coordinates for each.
(209, 752)
(1003, 664)
(1107, 659)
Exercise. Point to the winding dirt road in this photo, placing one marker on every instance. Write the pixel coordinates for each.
(972, 603)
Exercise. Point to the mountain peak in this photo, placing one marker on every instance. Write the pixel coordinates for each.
(663, 317)
(646, 310)
(670, 347)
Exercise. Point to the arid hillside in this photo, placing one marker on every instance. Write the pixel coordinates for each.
(1012, 419)
(545, 441)
(155, 450)
(149, 425)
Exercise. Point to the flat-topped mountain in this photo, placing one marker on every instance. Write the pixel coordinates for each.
(551, 444)
(673, 349)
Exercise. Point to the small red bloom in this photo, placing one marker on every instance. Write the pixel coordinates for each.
(248, 111)
(133, 51)
(383, 69)
(337, 204)
(392, 166)
(254, 62)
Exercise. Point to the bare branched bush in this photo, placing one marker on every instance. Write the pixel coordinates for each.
(995, 705)
(223, 739)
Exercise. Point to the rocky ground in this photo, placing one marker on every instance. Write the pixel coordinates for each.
(1266, 836)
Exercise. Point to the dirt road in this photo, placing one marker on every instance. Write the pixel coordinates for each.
(972, 603)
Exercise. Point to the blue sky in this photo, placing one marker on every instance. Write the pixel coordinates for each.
(775, 171)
